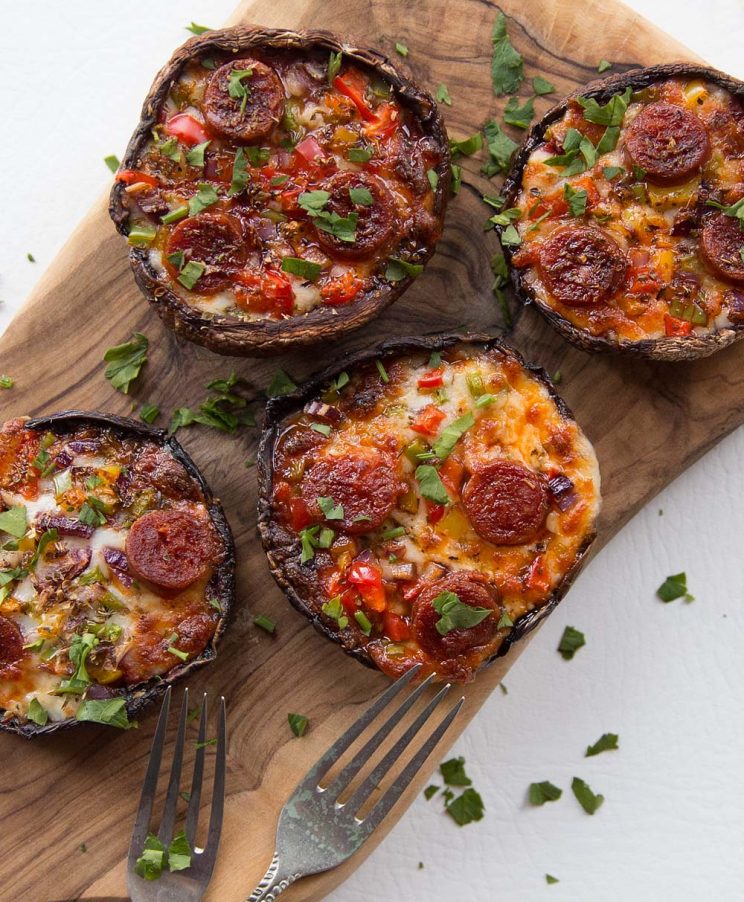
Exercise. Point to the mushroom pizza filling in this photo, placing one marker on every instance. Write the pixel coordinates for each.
(275, 183)
(107, 566)
(630, 213)
(425, 503)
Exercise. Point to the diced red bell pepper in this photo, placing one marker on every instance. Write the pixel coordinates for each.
(395, 627)
(432, 379)
(309, 149)
(368, 579)
(434, 511)
(133, 176)
(385, 122)
(341, 290)
(270, 291)
(352, 87)
(645, 280)
(538, 577)
(186, 129)
(674, 327)
(428, 420)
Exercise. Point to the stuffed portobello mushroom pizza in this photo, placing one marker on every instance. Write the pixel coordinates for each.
(116, 569)
(427, 504)
(281, 187)
(628, 206)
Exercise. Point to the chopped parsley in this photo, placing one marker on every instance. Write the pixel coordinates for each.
(576, 199)
(280, 385)
(612, 172)
(433, 177)
(430, 484)
(240, 176)
(610, 113)
(674, 587)
(125, 362)
(588, 800)
(550, 879)
(305, 269)
(334, 609)
(236, 89)
(14, 521)
(110, 711)
(359, 154)
(155, 857)
(298, 723)
(331, 510)
(205, 196)
(519, 116)
(443, 95)
(542, 86)
(456, 177)
(603, 65)
(467, 146)
(505, 622)
(453, 772)
(197, 29)
(607, 742)
(37, 712)
(341, 227)
(540, 793)
(397, 270)
(195, 157)
(454, 615)
(149, 413)
(466, 808)
(334, 65)
(112, 161)
(451, 434)
(322, 428)
(382, 371)
(500, 149)
(6, 382)
(361, 196)
(401, 48)
(507, 65)
(313, 537)
(571, 641)
(431, 791)
(265, 623)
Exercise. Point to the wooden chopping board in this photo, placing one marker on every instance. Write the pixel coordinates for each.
(647, 421)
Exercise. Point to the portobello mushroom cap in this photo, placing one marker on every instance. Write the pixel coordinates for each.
(222, 582)
(669, 348)
(282, 546)
(230, 335)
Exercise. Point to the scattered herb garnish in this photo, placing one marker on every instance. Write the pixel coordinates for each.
(507, 65)
(401, 48)
(155, 857)
(610, 113)
(110, 711)
(240, 175)
(607, 742)
(451, 434)
(360, 154)
(540, 793)
(6, 382)
(322, 428)
(280, 385)
(313, 537)
(611, 172)
(236, 89)
(125, 362)
(265, 623)
(588, 800)
(37, 712)
(505, 622)
(571, 641)
(112, 161)
(519, 116)
(149, 413)
(331, 510)
(453, 772)
(298, 723)
(431, 791)
(197, 29)
(397, 270)
(443, 95)
(550, 879)
(334, 65)
(500, 149)
(467, 146)
(205, 196)
(466, 808)
(305, 269)
(542, 86)
(14, 522)
(430, 484)
(195, 157)
(454, 615)
(576, 199)
(674, 587)
(604, 65)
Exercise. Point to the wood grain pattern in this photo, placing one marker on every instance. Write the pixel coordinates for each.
(648, 422)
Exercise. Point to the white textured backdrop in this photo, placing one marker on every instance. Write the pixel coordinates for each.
(668, 678)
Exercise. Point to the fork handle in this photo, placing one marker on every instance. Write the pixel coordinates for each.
(273, 883)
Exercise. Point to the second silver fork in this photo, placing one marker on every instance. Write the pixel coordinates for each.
(316, 832)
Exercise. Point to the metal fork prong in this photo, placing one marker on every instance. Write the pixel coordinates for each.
(338, 785)
(165, 833)
(403, 780)
(192, 813)
(150, 785)
(218, 793)
(378, 773)
(326, 761)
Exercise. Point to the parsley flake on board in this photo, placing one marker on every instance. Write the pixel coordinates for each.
(112, 161)
(588, 800)
(603, 65)
(455, 615)
(149, 413)
(280, 385)
(571, 641)
(674, 587)
(550, 879)
(401, 48)
(500, 149)
(467, 146)
(125, 362)
(431, 791)
(507, 65)
(298, 723)
(6, 382)
(205, 197)
(197, 29)
(542, 86)
(265, 623)
(519, 116)
(607, 742)
(443, 95)
(540, 793)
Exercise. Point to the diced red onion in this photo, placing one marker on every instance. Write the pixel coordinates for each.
(398, 569)
(65, 526)
(563, 492)
(118, 562)
(323, 411)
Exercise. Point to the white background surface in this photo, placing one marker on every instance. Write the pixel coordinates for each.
(668, 678)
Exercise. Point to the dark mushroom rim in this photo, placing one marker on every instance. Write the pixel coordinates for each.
(139, 696)
(602, 89)
(228, 335)
(273, 537)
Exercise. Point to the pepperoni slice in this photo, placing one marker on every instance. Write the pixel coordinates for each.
(214, 239)
(249, 116)
(11, 642)
(721, 242)
(365, 486)
(668, 142)
(581, 265)
(170, 548)
(506, 503)
(374, 225)
(472, 590)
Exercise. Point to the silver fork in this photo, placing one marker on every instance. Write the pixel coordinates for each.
(188, 885)
(316, 832)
